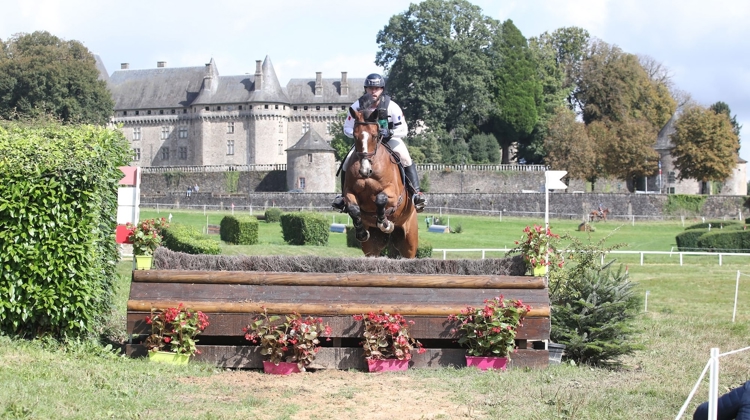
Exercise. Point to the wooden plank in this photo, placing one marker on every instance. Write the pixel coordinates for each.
(249, 357)
(340, 279)
(231, 324)
(321, 308)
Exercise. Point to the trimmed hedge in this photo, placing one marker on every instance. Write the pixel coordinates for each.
(688, 240)
(187, 239)
(717, 224)
(272, 215)
(58, 207)
(725, 240)
(305, 228)
(239, 230)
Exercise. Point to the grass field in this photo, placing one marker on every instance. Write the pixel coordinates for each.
(689, 311)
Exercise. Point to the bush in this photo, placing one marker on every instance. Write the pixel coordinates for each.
(187, 239)
(717, 224)
(305, 228)
(239, 230)
(684, 204)
(58, 207)
(688, 240)
(728, 240)
(273, 215)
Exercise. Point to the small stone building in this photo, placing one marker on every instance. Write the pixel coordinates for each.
(311, 165)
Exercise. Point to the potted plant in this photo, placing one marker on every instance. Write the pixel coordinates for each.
(145, 237)
(387, 342)
(173, 332)
(290, 345)
(539, 249)
(489, 332)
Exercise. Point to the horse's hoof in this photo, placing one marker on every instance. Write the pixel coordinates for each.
(366, 237)
(386, 227)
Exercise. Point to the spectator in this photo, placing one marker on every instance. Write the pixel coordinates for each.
(735, 404)
(195, 188)
(189, 191)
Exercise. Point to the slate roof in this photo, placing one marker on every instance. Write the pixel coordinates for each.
(302, 91)
(312, 141)
(103, 75)
(663, 142)
(156, 88)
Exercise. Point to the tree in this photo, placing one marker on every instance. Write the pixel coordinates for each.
(723, 108)
(435, 54)
(569, 147)
(340, 142)
(43, 74)
(483, 149)
(705, 145)
(516, 89)
(570, 46)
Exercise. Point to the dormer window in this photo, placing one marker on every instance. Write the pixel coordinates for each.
(265, 106)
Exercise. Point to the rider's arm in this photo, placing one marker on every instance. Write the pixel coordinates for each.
(400, 129)
(349, 122)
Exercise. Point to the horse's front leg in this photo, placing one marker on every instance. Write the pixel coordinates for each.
(385, 225)
(360, 232)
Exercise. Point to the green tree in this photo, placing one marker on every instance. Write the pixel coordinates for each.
(723, 108)
(43, 74)
(705, 145)
(516, 89)
(569, 147)
(570, 46)
(340, 142)
(435, 54)
(483, 149)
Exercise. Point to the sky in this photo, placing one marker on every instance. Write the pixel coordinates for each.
(704, 45)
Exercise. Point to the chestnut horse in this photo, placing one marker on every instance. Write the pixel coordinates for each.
(375, 195)
(595, 215)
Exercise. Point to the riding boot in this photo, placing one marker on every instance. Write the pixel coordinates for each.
(413, 180)
(338, 202)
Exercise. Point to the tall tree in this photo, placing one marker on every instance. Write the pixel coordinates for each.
(723, 108)
(516, 89)
(705, 145)
(43, 74)
(435, 54)
(571, 45)
(569, 147)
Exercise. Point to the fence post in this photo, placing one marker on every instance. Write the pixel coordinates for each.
(713, 388)
(736, 291)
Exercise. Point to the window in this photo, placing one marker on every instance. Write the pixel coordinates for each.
(305, 108)
(148, 112)
(137, 112)
(165, 153)
(124, 113)
(317, 107)
(164, 132)
(136, 133)
(294, 108)
(230, 128)
(276, 107)
(265, 106)
(183, 132)
(343, 107)
(671, 178)
(240, 107)
(173, 111)
(305, 127)
(281, 147)
(230, 147)
(309, 157)
(281, 126)
(330, 108)
(207, 109)
(301, 183)
(218, 108)
(183, 153)
(136, 154)
(670, 190)
(161, 112)
(184, 110)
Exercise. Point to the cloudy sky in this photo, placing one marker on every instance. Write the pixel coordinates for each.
(705, 45)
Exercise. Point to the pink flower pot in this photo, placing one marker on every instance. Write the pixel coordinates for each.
(284, 368)
(485, 363)
(387, 365)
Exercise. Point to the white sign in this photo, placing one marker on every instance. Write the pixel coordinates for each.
(554, 180)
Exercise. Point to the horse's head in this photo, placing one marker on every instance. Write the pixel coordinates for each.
(366, 139)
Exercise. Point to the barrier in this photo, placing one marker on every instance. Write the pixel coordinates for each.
(232, 298)
(439, 229)
(338, 228)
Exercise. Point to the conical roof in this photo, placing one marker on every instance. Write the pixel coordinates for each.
(270, 87)
(312, 141)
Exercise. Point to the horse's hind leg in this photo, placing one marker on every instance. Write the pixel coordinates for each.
(355, 213)
(383, 224)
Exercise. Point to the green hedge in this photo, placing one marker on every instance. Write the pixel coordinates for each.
(683, 203)
(272, 215)
(725, 240)
(58, 207)
(717, 224)
(688, 240)
(187, 239)
(239, 230)
(305, 228)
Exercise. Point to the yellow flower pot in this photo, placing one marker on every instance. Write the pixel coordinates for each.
(143, 262)
(540, 271)
(168, 357)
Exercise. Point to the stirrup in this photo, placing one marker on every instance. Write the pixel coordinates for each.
(419, 202)
(339, 204)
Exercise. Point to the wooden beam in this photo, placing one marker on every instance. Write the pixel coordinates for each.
(340, 279)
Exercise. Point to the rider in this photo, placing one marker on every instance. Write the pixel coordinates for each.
(392, 127)
(601, 210)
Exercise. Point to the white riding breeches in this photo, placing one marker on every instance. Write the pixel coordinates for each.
(394, 143)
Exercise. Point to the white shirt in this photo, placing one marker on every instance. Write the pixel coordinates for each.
(395, 116)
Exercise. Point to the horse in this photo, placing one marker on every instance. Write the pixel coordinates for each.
(596, 215)
(375, 196)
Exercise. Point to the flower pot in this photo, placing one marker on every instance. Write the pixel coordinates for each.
(143, 262)
(555, 352)
(485, 363)
(168, 357)
(387, 365)
(540, 271)
(283, 368)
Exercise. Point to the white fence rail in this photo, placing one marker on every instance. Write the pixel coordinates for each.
(642, 254)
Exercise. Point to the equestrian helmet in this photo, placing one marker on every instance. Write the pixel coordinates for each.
(375, 80)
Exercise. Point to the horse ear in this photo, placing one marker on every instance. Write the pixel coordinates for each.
(372, 117)
(353, 113)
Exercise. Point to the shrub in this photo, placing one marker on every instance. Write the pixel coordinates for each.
(58, 207)
(728, 240)
(187, 239)
(305, 228)
(273, 215)
(688, 240)
(717, 224)
(424, 250)
(239, 230)
(684, 204)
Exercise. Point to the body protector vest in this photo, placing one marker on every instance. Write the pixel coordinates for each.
(382, 110)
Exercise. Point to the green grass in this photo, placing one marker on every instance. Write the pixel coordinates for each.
(689, 311)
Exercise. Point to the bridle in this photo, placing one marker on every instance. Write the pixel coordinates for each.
(363, 155)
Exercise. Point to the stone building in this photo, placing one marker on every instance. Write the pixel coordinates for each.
(311, 164)
(193, 116)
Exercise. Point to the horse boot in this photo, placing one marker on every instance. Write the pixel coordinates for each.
(338, 202)
(417, 196)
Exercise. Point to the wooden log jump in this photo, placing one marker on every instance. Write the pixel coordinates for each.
(232, 299)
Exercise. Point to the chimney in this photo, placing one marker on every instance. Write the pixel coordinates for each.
(208, 79)
(318, 83)
(124, 66)
(344, 84)
(161, 64)
(258, 75)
